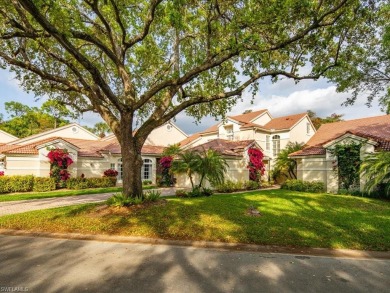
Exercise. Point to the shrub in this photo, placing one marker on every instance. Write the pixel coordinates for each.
(251, 185)
(147, 182)
(44, 184)
(207, 192)
(1, 173)
(110, 173)
(77, 183)
(152, 195)
(119, 200)
(93, 182)
(17, 183)
(181, 193)
(230, 186)
(306, 186)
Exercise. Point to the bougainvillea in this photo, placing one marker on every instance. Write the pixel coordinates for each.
(255, 164)
(59, 162)
(166, 177)
(1, 173)
(110, 173)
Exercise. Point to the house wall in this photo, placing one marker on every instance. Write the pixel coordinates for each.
(6, 137)
(165, 135)
(263, 119)
(236, 171)
(320, 168)
(69, 131)
(299, 132)
(22, 165)
(223, 134)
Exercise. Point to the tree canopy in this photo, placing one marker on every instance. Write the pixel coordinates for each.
(365, 70)
(318, 121)
(24, 120)
(140, 63)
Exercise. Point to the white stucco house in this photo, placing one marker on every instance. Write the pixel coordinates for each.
(315, 161)
(91, 155)
(269, 134)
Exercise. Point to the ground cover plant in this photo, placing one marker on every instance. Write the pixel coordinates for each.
(286, 218)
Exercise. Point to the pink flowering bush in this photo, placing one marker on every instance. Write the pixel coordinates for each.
(59, 163)
(166, 177)
(255, 165)
(110, 173)
(1, 173)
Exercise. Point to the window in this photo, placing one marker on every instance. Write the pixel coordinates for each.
(275, 145)
(112, 166)
(146, 172)
(229, 132)
(267, 142)
(308, 128)
(120, 169)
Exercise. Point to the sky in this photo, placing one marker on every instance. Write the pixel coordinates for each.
(281, 98)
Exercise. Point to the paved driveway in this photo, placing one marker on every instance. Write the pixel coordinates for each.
(57, 265)
(15, 207)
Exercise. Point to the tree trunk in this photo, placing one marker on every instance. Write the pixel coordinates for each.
(131, 159)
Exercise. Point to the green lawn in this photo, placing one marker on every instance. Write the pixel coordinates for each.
(59, 193)
(287, 219)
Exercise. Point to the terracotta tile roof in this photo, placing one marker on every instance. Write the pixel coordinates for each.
(285, 122)
(248, 117)
(213, 128)
(378, 127)
(225, 147)
(375, 128)
(86, 148)
(189, 139)
(309, 151)
(242, 118)
(30, 149)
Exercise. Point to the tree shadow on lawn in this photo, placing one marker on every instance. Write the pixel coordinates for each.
(286, 218)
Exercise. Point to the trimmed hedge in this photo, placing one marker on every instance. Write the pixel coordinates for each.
(305, 186)
(93, 182)
(44, 184)
(17, 183)
(230, 186)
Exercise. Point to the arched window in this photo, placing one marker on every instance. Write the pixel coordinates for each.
(146, 172)
(275, 145)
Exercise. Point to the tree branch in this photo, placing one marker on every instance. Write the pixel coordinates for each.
(61, 38)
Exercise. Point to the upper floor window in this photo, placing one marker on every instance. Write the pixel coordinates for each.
(229, 132)
(275, 145)
(308, 128)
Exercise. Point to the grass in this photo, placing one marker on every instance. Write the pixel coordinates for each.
(287, 218)
(59, 193)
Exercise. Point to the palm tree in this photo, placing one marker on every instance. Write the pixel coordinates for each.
(186, 163)
(285, 165)
(376, 170)
(212, 166)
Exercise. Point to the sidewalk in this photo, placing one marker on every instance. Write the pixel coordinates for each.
(16, 207)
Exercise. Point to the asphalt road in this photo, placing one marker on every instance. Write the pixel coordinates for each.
(40, 264)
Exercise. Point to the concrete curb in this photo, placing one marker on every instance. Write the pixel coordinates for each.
(323, 252)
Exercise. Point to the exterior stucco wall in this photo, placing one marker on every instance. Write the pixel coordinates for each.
(165, 135)
(237, 171)
(263, 119)
(318, 168)
(73, 131)
(6, 137)
(22, 165)
(299, 132)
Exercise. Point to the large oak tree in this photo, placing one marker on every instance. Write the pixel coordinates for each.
(138, 63)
